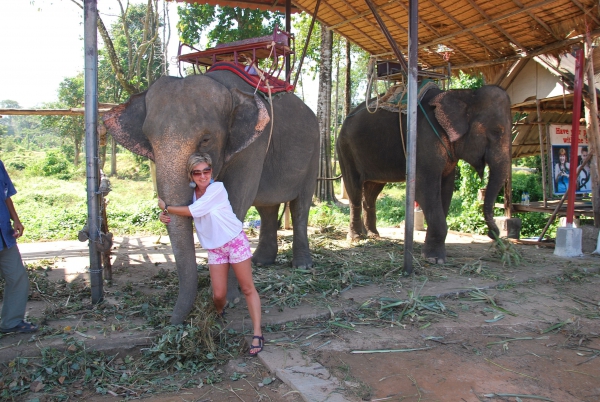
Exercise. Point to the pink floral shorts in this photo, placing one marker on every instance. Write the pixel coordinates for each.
(232, 252)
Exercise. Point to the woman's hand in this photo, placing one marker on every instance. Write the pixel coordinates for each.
(164, 218)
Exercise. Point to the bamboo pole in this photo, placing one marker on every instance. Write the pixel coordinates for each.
(540, 128)
(591, 115)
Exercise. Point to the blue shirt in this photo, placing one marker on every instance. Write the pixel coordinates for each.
(7, 191)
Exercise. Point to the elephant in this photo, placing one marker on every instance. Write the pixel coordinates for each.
(265, 154)
(472, 125)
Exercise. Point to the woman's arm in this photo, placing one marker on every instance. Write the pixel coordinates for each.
(172, 209)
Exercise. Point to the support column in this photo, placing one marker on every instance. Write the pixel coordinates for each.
(90, 18)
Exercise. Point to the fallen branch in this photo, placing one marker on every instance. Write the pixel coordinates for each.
(529, 338)
(543, 398)
(388, 350)
(512, 371)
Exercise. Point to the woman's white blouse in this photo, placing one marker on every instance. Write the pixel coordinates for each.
(215, 222)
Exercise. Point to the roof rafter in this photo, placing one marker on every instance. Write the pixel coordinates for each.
(470, 32)
(538, 20)
(495, 25)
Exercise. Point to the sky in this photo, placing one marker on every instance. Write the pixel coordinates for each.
(42, 43)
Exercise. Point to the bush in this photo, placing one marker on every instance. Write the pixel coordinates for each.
(54, 164)
(527, 181)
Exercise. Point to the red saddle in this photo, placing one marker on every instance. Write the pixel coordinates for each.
(269, 84)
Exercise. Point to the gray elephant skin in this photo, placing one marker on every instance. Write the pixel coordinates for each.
(472, 125)
(218, 113)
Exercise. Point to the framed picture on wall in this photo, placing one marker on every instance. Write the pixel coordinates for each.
(560, 138)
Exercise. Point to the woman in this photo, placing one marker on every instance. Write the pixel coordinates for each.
(561, 172)
(220, 232)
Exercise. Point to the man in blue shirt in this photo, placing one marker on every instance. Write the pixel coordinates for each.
(16, 287)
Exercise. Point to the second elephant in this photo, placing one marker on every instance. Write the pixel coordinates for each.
(473, 125)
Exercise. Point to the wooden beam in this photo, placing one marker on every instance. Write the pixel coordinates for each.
(586, 12)
(538, 20)
(469, 31)
(534, 109)
(363, 14)
(342, 18)
(47, 112)
(495, 25)
(541, 50)
(493, 20)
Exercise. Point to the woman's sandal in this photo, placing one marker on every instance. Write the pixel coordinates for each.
(259, 347)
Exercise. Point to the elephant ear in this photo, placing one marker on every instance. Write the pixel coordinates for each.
(248, 121)
(452, 113)
(125, 123)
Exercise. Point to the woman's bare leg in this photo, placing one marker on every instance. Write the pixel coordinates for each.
(243, 272)
(218, 279)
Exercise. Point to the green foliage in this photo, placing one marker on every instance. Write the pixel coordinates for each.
(232, 23)
(527, 182)
(466, 81)
(325, 216)
(52, 205)
(470, 218)
(532, 224)
(140, 54)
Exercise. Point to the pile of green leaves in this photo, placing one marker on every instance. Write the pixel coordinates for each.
(179, 352)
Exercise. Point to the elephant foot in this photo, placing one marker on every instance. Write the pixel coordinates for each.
(435, 260)
(262, 261)
(373, 235)
(302, 263)
(353, 237)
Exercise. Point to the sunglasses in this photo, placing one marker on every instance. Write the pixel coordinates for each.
(202, 172)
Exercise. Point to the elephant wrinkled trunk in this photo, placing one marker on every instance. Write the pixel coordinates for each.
(495, 184)
(182, 241)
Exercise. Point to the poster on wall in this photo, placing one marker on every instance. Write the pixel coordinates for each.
(560, 139)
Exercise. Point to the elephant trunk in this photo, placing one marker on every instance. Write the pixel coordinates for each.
(182, 241)
(498, 176)
(173, 187)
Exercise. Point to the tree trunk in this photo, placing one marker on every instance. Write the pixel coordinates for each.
(113, 156)
(347, 103)
(76, 156)
(324, 191)
(591, 116)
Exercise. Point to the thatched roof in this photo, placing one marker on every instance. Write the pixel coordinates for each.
(483, 35)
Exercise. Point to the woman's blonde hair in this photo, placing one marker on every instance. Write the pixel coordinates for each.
(195, 159)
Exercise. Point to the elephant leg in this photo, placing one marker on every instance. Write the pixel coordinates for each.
(434, 249)
(447, 191)
(266, 251)
(233, 287)
(353, 185)
(371, 191)
(299, 210)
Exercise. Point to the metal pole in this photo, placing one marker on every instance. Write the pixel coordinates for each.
(90, 18)
(389, 38)
(288, 29)
(578, 85)
(411, 124)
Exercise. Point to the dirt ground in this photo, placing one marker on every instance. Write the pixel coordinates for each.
(535, 336)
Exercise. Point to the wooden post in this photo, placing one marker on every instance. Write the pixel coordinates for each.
(539, 119)
(591, 116)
